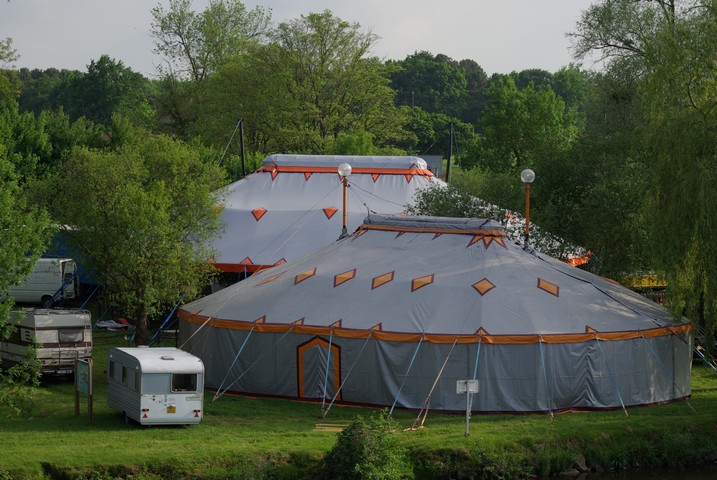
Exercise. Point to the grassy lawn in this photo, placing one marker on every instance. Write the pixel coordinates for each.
(242, 436)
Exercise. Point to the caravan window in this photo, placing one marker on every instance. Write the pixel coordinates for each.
(184, 382)
(70, 335)
(111, 371)
(124, 375)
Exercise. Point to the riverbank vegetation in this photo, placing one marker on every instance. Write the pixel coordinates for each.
(251, 438)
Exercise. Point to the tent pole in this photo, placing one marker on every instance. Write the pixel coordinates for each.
(390, 412)
(612, 377)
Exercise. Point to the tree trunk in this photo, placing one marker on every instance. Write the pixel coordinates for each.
(140, 318)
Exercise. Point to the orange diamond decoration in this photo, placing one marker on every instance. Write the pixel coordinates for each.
(551, 288)
(303, 276)
(344, 277)
(258, 213)
(484, 286)
(381, 280)
(330, 211)
(270, 279)
(421, 282)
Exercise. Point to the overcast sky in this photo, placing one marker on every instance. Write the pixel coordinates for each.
(500, 35)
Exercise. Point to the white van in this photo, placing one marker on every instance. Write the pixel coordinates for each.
(51, 278)
(59, 337)
(156, 385)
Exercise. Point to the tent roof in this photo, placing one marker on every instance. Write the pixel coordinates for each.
(293, 205)
(407, 277)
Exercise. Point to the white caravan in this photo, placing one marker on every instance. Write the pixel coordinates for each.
(156, 386)
(59, 337)
(51, 278)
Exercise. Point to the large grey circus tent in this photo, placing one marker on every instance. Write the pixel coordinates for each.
(400, 311)
(293, 205)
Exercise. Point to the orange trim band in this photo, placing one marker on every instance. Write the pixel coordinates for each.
(240, 267)
(371, 171)
(437, 337)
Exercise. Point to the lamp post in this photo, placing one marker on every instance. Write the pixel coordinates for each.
(344, 172)
(527, 176)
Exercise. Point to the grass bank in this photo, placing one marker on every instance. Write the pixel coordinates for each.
(255, 438)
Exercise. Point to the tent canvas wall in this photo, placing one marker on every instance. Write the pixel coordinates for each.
(407, 306)
(293, 205)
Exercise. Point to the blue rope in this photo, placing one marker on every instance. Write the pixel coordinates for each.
(612, 377)
(475, 368)
(235, 361)
(664, 368)
(347, 375)
(405, 376)
(545, 376)
(475, 371)
(164, 324)
(328, 360)
(257, 360)
(90, 296)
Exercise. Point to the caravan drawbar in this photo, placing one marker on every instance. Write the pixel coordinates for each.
(155, 385)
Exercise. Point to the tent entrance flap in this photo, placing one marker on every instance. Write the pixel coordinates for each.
(312, 380)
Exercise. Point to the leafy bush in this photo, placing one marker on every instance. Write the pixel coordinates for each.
(367, 449)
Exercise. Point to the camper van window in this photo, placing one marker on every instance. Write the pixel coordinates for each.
(70, 335)
(136, 382)
(124, 375)
(111, 370)
(184, 382)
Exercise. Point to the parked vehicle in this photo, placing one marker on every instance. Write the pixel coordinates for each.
(156, 386)
(52, 279)
(59, 337)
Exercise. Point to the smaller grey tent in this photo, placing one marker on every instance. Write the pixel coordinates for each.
(406, 306)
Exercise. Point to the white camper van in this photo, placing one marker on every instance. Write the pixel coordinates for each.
(58, 336)
(50, 277)
(156, 385)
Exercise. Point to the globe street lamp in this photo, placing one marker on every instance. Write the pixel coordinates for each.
(344, 172)
(527, 176)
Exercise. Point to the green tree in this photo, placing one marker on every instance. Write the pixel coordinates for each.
(436, 84)
(39, 89)
(367, 449)
(524, 127)
(25, 141)
(141, 215)
(670, 46)
(9, 85)
(195, 45)
(106, 89)
(24, 235)
(313, 82)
